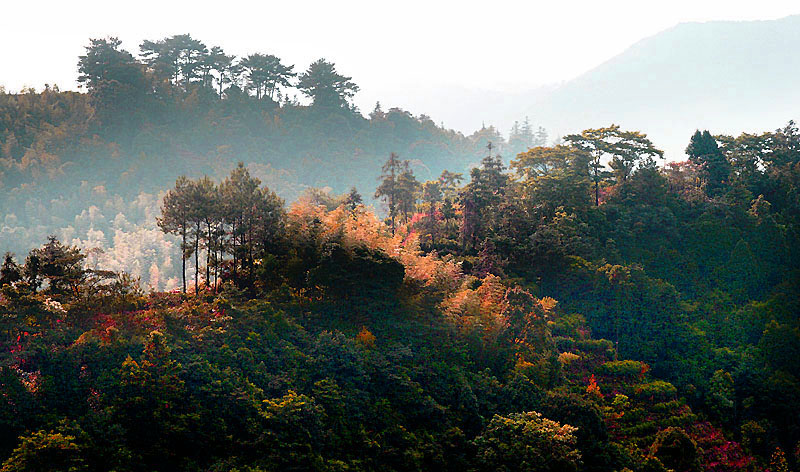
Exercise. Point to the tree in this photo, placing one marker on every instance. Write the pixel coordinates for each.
(175, 214)
(480, 199)
(178, 59)
(265, 74)
(10, 272)
(105, 61)
(45, 450)
(353, 199)
(554, 177)
(224, 65)
(269, 221)
(785, 145)
(450, 182)
(255, 217)
(61, 265)
(627, 150)
(676, 450)
(526, 441)
(115, 81)
(522, 137)
(325, 86)
(203, 213)
(704, 152)
(431, 195)
(407, 188)
(389, 188)
(722, 396)
(32, 271)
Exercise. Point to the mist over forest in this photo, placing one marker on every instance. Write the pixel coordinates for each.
(91, 167)
(220, 263)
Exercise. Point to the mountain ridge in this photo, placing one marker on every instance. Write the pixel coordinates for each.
(694, 74)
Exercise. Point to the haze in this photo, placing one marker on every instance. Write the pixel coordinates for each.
(433, 58)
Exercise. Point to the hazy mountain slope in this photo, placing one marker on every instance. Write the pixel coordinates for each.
(725, 76)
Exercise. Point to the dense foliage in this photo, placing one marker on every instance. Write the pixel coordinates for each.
(583, 309)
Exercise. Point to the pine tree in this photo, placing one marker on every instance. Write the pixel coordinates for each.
(174, 219)
(388, 189)
(704, 152)
(10, 272)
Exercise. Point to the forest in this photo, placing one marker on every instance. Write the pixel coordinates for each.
(424, 301)
(90, 167)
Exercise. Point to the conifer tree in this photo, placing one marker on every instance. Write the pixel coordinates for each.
(175, 217)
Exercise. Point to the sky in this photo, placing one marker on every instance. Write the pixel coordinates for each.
(424, 56)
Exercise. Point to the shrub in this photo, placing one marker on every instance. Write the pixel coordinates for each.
(526, 441)
(567, 357)
(564, 344)
(46, 450)
(366, 338)
(676, 450)
(658, 389)
(625, 368)
(595, 345)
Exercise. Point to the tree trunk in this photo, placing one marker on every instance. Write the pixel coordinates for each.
(196, 257)
(208, 253)
(596, 192)
(233, 239)
(183, 255)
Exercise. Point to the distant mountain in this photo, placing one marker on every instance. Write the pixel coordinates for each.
(725, 76)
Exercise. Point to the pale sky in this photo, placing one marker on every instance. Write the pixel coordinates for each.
(400, 53)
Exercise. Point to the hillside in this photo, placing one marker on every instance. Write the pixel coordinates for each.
(195, 277)
(722, 76)
(368, 362)
(91, 172)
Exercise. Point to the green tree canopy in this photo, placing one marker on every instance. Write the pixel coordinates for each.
(325, 86)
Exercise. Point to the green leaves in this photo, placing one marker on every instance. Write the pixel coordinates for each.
(526, 441)
(323, 84)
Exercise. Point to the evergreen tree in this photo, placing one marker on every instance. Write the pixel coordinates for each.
(10, 272)
(389, 189)
(175, 217)
(61, 265)
(704, 152)
(353, 199)
(265, 74)
(325, 86)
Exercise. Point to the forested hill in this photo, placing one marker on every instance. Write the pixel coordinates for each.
(318, 339)
(74, 162)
